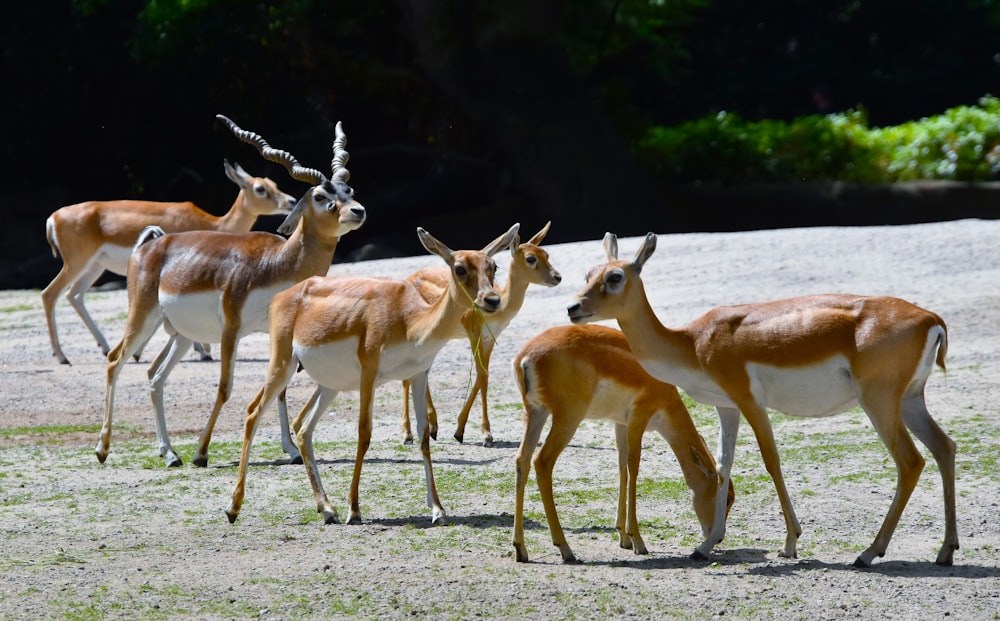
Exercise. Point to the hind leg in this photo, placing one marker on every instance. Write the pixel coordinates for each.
(918, 420)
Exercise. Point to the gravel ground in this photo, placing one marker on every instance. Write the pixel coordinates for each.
(132, 539)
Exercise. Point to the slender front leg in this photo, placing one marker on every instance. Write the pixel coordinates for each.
(249, 430)
(230, 339)
(729, 427)
(621, 443)
(407, 430)
(633, 453)
(364, 440)
(418, 384)
(760, 423)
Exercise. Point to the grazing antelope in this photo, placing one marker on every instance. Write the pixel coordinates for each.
(355, 333)
(529, 264)
(215, 287)
(575, 372)
(96, 236)
(808, 356)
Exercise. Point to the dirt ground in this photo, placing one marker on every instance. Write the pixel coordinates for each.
(133, 539)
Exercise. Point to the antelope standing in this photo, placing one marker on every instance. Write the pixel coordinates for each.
(215, 287)
(96, 236)
(529, 264)
(355, 333)
(575, 372)
(808, 356)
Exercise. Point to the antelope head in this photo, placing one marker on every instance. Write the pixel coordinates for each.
(331, 195)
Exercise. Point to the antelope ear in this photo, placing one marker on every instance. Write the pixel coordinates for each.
(611, 246)
(514, 245)
(540, 235)
(433, 246)
(292, 219)
(503, 241)
(644, 252)
(236, 173)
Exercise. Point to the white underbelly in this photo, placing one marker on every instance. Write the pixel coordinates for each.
(611, 401)
(335, 365)
(114, 258)
(821, 389)
(199, 316)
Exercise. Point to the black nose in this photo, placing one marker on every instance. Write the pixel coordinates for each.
(558, 278)
(492, 301)
(572, 308)
(358, 211)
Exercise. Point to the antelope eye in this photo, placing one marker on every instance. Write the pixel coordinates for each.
(259, 189)
(614, 278)
(460, 270)
(531, 260)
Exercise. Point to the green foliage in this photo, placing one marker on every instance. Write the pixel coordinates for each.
(963, 144)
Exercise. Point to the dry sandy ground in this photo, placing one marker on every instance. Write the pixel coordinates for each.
(132, 539)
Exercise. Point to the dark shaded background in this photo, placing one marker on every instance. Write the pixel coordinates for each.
(462, 116)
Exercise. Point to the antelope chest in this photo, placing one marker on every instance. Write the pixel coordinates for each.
(200, 316)
(336, 365)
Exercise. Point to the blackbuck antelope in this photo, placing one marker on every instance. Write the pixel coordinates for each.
(95, 236)
(576, 372)
(215, 287)
(808, 356)
(529, 264)
(355, 333)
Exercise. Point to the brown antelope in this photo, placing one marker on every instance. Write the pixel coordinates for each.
(529, 264)
(808, 356)
(576, 372)
(215, 287)
(96, 236)
(355, 333)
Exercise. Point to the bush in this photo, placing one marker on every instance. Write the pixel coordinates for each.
(963, 144)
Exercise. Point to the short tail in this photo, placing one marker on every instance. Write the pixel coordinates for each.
(50, 235)
(942, 346)
(149, 233)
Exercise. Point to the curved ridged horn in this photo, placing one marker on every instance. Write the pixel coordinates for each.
(286, 159)
(340, 156)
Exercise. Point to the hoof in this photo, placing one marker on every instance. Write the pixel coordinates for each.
(408, 440)
(296, 461)
(331, 518)
(698, 556)
(64, 360)
(232, 516)
(439, 519)
(173, 461)
(201, 462)
(860, 563)
(459, 437)
(488, 442)
(101, 456)
(520, 554)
